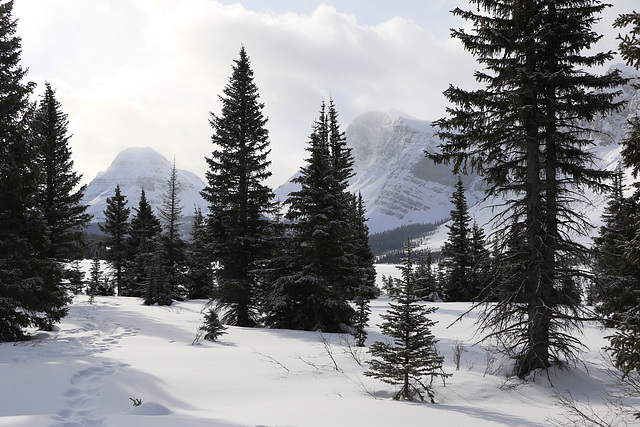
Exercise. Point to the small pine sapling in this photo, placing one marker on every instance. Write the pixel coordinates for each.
(411, 355)
(212, 327)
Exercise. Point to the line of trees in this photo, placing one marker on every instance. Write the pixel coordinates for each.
(311, 269)
(149, 257)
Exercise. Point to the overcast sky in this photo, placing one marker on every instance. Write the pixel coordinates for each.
(149, 72)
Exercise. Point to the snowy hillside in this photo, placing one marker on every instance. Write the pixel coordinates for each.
(398, 183)
(102, 355)
(608, 132)
(137, 168)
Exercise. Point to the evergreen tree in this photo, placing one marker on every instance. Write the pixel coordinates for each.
(60, 200)
(426, 284)
(524, 132)
(175, 246)
(116, 228)
(144, 230)
(456, 251)
(480, 264)
(212, 327)
(239, 201)
(411, 355)
(95, 278)
(616, 278)
(366, 273)
(30, 291)
(320, 273)
(364, 258)
(625, 342)
(158, 282)
(75, 276)
(352, 262)
(361, 317)
(199, 265)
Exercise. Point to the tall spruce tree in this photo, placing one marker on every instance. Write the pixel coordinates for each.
(456, 251)
(144, 230)
(366, 272)
(171, 256)
(525, 132)
(60, 196)
(30, 291)
(240, 203)
(116, 228)
(321, 273)
(411, 354)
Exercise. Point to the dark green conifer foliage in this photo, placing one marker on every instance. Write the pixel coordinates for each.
(30, 294)
(366, 273)
(158, 289)
(426, 287)
(524, 132)
(95, 278)
(347, 218)
(625, 343)
(199, 265)
(76, 277)
(212, 327)
(410, 360)
(630, 52)
(239, 200)
(116, 228)
(321, 273)
(630, 43)
(480, 275)
(364, 258)
(60, 200)
(456, 252)
(173, 265)
(616, 278)
(144, 231)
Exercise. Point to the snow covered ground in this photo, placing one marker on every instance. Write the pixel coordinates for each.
(105, 355)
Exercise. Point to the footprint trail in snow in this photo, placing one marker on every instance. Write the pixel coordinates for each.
(82, 397)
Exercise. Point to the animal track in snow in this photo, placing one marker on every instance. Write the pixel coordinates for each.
(82, 396)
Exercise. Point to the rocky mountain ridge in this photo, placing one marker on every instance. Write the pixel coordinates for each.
(399, 185)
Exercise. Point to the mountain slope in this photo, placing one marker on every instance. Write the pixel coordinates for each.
(399, 185)
(137, 168)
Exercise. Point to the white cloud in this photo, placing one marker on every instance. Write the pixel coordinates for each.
(148, 72)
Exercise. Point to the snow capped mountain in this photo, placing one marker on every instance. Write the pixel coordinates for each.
(399, 185)
(137, 168)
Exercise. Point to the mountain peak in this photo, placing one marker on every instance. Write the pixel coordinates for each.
(138, 168)
(398, 183)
